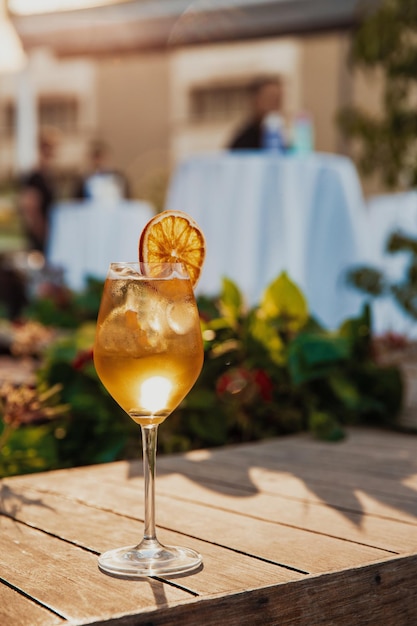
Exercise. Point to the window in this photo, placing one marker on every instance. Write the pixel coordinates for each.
(58, 111)
(220, 102)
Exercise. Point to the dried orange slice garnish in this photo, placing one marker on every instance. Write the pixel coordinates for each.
(174, 237)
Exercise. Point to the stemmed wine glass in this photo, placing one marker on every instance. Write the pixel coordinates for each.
(148, 353)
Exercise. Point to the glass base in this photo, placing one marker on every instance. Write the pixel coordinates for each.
(149, 558)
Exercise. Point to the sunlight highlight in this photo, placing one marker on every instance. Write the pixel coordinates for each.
(155, 393)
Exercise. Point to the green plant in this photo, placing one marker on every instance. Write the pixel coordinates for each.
(273, 370)
(97, 429)
(385, 41)
(27, 427)
(268, 371)
(373, 282)
(59, 306)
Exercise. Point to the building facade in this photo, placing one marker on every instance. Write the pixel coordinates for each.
(159, 104)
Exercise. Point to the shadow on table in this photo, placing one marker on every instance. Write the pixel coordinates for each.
(305, 470)
(11, 502)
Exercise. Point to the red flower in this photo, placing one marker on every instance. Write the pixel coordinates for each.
(222, 383)
(83, 357)
(264, 384)
(234, 381)
(254, 383)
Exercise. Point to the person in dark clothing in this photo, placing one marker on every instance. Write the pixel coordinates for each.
(37, 194)
(266, 95)
(12, 289)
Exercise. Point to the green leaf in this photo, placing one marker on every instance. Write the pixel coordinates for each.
(267, 335)
(346, 391)
(219, 323)
(312, 356)
(231, 301)
(357, 331)
(283, 299)
(369, 280)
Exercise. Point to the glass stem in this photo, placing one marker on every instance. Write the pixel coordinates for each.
(149, 438)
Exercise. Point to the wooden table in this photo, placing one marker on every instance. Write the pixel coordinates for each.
(292, 531)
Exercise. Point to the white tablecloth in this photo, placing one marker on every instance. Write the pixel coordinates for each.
(387, 214)
(86, 237)
(263, 214)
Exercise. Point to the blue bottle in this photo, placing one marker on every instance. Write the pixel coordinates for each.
(273, 133)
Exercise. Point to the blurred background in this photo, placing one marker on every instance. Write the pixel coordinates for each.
(113, 110)
(159, 81)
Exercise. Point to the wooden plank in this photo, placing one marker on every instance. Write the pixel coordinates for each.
(350, 519)
(392, 463)
(241, 498)
(382, 593)
(358, 526)
(339, 488)
(312, 461)
(237, 464)
(391, 499)
(388, 449)
(353, 519)
(279, 454)
(66, 578)
(244, 469)
(292, 547)
(289, 546)
(18, 610)
(98, 530)
(387, 534)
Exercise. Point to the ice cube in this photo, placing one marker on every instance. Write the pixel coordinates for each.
(117, 332)
(181, 317)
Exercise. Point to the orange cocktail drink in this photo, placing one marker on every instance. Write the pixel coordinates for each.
(148, 352)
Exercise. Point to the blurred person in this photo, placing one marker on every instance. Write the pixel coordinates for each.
(37, 192)
(266, 97)
(13, 297)
(102, 181)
